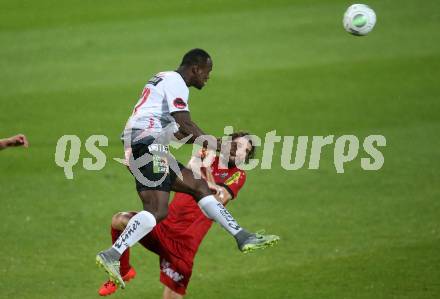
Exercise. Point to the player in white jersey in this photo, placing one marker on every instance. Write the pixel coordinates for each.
(164, 94)
(162, 113)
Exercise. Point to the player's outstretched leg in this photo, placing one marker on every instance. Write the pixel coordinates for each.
(215, 210)
(119, 222)
(155, 205)
(111, 265)
(138, 226)
(257, 241)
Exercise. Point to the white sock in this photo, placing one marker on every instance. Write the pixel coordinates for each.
(138, 226)
(216, 211)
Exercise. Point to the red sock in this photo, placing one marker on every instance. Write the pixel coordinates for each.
(125, 257)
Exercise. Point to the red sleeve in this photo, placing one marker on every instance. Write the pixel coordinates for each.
(234, 182)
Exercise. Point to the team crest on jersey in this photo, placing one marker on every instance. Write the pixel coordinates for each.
(179, 103)
(233, 179)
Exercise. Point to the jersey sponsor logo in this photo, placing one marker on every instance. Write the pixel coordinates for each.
(228, 217)
(129, 230)
(223, 175)
(155, 80)
(179, 103)
(171, 273)
(233, 179)
(160, 165)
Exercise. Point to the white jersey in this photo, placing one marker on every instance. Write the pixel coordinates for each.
(163, 94)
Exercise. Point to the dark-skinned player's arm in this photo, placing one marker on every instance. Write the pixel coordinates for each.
(188, 128)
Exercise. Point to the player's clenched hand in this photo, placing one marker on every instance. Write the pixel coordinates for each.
(17, 140)
(213, 187)
(217, 191)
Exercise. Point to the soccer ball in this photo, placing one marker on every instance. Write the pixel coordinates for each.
(359, 19)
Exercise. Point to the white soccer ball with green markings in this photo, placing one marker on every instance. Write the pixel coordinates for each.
(359, 19)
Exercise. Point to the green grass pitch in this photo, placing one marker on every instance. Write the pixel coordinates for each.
(78, 67)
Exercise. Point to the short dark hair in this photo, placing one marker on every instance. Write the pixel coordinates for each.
(195, 57)
(247, 135)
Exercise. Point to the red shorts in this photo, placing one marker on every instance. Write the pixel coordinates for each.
(175, 257)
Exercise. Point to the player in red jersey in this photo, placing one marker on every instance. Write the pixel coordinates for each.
(177, 238)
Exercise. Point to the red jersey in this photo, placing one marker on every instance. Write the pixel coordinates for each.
(185, 221)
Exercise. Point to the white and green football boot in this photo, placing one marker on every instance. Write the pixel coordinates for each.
(257, 241)
(111, 267)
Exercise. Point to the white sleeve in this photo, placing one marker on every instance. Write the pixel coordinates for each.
(176, 93)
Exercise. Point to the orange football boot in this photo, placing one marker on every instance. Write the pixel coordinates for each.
(110, 287)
